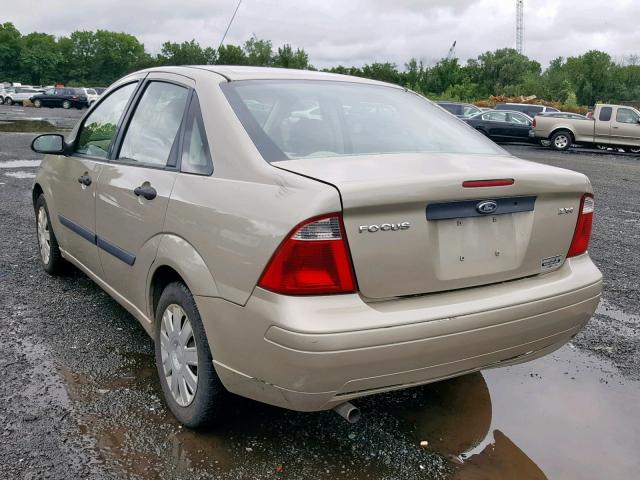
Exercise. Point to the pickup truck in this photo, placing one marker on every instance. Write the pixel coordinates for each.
(611, 126)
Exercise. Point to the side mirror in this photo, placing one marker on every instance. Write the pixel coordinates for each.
(49, 143)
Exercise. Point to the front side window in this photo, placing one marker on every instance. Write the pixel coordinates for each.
(626, 115)
(155, 123)
(605, 114)
(100, 127)
(289, 119)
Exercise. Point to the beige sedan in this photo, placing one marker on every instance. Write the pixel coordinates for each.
(305, 239)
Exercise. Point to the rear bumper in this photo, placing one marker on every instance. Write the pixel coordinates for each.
(312, 353)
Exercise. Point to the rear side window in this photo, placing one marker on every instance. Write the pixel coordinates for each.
(155, 123)
(605, 114)
(495, 117)
(100, 127)
(196, 157)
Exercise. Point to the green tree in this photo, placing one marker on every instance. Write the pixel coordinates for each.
(259, 52)
(185, 53)
(287, 58)
(10, 47)
(501, 71)
(39, 58)
(231, 55)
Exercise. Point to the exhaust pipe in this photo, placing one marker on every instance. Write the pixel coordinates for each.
(348, 411)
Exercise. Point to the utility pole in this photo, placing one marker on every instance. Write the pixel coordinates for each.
(520, 26)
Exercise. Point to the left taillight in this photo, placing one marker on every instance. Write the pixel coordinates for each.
(314, 259)
(584, 225)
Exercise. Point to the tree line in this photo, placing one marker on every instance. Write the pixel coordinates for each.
(97, 58)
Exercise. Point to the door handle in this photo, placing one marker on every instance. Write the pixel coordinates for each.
(84, 180)
(146, 191)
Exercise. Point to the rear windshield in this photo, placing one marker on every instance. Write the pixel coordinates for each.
(288, 119)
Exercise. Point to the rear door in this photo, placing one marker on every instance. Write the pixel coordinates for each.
(519, 126)
(76, 177)
(625, 127)
(134, 188)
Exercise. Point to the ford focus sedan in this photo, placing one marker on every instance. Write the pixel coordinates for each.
(305, 239)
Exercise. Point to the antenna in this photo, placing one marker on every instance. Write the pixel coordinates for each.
(230, 22)
(520, 26)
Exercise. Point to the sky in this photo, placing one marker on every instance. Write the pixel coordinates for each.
(353, 32)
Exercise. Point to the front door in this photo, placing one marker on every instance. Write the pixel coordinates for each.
(134, 188)
(625, 129)
(76, 178)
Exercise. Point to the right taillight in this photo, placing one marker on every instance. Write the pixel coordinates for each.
(582, 234)
(313, 260)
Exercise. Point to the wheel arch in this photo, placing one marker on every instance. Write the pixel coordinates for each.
(36, 192)
(178, 260)
(563, 129)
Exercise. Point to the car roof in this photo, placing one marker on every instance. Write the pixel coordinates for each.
(236, 73)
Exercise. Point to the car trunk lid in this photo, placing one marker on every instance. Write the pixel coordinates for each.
(413, 228)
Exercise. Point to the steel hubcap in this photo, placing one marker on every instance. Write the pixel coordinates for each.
(179, 355)
(561, 141)
(44, 235)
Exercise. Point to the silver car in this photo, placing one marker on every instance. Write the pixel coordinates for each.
(305, 260)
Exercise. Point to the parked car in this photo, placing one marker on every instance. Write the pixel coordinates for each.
(460, 110)
(61, 97)
(91, 95)
(503, 125)
(19, 95)
(307, 263)
(611, 126)
(99, 90)
(526, 108)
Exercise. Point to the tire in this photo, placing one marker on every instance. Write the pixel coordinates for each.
(561, 140)
(193, 408)
(37, 103)
(50, 254)
(634, 150)
(8, 101)
(66, 104)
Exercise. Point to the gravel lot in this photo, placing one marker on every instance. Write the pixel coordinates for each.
(79, 396)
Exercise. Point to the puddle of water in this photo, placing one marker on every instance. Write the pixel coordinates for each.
(30, 125)
(568, 416)
(20, 174)
(20, 163)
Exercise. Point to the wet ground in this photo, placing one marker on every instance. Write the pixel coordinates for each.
(80, 399)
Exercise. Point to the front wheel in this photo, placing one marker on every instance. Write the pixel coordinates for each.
(8, 101)
(66, 104)
(37, 103)
(189, 382)
(50, 254)
(634, 150)
(561, 141)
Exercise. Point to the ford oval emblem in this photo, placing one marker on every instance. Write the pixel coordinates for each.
(486, 207)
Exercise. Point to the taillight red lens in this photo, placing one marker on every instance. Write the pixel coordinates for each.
(533, 124)
(582, 234)
(313, 260)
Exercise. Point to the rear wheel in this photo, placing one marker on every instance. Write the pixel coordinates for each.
(561, 140)
(189, 382)
(50, 255)
(634, 150)
(8, 101)
(66, 104)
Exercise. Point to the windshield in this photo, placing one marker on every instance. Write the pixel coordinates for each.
(289, 119)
